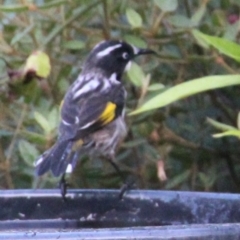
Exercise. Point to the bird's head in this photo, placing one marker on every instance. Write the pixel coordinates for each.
(112, 57)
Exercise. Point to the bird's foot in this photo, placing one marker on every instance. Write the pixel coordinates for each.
(63, 185)
(128, 185)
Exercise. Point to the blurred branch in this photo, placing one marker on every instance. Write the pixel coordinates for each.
(220, 60)
(80, 12)
(218, 100)
(106, 28)
(226, 155)
(187, 8)
(11, 148)
(165, 134)
(156, 23)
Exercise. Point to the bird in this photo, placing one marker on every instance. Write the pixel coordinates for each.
(93, 110)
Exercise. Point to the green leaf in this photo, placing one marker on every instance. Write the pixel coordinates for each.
(156, 87)
(136, 74)
(136, 41)
(174, 182)
(43, 122)
(180, 21)
(207, 179)
(13, 8)
(228, 130)
(134, 143)
(231, 31)
(34, 137)
(25, 7)
(187, 89)
(203, 178)
(21, 34)
(167, 5)
(220, 126)
(53, 3)
(39, 63)
(229, 48)
(198, 15)
(233, 133)
(200, 40)
(74, 44)
(77, 13)
(133, 18)
(54, 118)
(28, 152)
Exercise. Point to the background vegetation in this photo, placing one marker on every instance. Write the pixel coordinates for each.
(166, 148)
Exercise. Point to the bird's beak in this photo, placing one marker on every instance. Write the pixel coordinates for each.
(142, 51)
(138, 52)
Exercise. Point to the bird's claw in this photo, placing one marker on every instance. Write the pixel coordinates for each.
(128, 185)
(63, 185)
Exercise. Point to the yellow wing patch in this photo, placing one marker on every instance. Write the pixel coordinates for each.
(108, 113)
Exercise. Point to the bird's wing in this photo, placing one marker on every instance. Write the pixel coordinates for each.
(91, 111)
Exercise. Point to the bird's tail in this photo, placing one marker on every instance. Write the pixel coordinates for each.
(55, 159)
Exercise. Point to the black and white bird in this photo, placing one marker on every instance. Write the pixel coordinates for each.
(92, 113)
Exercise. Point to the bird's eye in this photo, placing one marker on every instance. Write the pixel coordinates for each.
(125, 55)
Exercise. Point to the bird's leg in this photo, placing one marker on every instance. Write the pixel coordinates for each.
(117, 169)
(63, 187)
(127, 185)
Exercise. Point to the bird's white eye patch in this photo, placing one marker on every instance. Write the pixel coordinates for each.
(125, 56)
(135, 50)
(108, 50)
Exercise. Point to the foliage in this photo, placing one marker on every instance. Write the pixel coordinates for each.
(195, 40)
